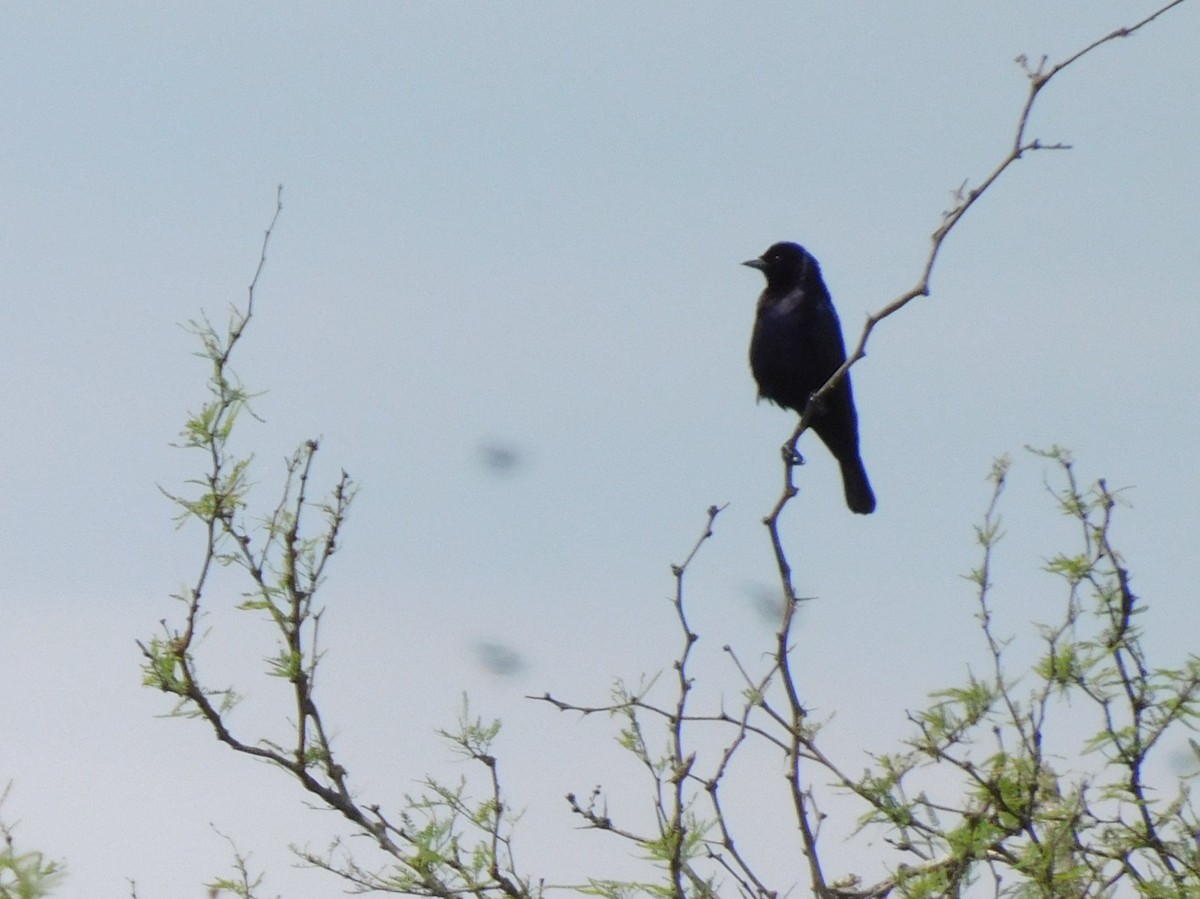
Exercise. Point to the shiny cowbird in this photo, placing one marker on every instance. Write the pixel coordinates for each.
(796, 346)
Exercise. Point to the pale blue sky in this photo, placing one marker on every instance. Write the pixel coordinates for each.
(520, 224)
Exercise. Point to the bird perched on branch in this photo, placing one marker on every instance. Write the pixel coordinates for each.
(797, 345)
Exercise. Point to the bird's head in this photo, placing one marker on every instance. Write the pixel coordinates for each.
(783, 263)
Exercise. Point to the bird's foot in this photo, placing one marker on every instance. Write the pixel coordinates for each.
(791, 455)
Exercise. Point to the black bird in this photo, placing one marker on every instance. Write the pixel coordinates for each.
(797, 345)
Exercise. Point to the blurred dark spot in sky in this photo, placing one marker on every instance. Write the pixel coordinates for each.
(500, 458)
(1185, 762)
(498, 658)
(767, 602)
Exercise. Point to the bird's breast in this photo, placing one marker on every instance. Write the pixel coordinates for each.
(784, 304)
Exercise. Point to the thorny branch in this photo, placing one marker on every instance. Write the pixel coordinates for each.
(285, 559)
(1039, 78)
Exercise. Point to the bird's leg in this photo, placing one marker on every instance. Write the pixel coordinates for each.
(817, 403)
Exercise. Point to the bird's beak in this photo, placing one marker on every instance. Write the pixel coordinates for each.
(756, 263)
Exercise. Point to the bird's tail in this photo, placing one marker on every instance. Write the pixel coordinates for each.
(859, 496)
